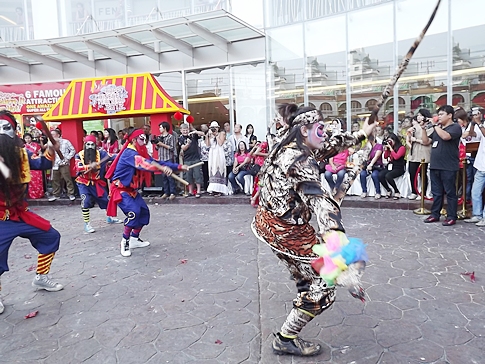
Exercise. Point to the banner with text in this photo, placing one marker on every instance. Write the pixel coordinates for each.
(35, 98)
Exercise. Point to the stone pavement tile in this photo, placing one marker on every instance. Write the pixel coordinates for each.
(413, 279)
(134, 355)
(206, 291)
(165, 300)
(444, 334)
(468, 354)
(390, 333)
(477, 327)
(424, 351)
(415, 316)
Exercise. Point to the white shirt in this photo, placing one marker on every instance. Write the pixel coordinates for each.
(235, 141)
(480, 158)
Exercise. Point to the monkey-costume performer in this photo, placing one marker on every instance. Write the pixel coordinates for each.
(90, 164)
(129, 170)
(291, 191)
(16, 220)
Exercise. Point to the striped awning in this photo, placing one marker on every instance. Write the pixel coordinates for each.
(113, 97)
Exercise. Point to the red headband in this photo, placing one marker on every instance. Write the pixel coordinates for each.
(135, 134)
(6, 118)
(90, 138)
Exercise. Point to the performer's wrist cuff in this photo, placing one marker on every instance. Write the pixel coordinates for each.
(50, 154)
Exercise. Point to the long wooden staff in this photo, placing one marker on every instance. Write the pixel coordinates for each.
(355, 171)
(195, 165)
(402, 67)
(98, 164)
(173, 175)
(47, 133)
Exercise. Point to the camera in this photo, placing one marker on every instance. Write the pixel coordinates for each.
(213, 130)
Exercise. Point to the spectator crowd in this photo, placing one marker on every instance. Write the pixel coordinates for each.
(423, 157)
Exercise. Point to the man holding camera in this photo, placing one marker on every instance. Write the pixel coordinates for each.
(165, 145)
(444, 164)
(189, 146)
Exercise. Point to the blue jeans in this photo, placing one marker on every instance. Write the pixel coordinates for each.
(375, 178)
(168, 185)
(340, 177)
(477, 189)
(239, 177)
(470, 177)
(444, 182)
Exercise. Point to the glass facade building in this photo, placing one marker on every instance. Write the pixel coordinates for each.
(25, 19)
(337, 55)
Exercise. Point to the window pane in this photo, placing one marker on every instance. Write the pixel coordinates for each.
(371, 60)
(423, 84)
(250, 98)
(326, 69)
(286, 76)
(468, 54)
(208, 95)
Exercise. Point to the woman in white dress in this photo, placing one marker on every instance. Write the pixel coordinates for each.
(217, 161)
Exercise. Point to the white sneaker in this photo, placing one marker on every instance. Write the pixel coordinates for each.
(125, 247)
(72, 197)
(137, 243)
(364, 195)
(88, 228)
(481, 223)
(377, 196)
(2, 307)
(42, 281)
(53, 198)
(473, 219)
(113, 220)
(412, 196)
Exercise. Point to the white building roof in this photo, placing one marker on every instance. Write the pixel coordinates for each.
(196, 41)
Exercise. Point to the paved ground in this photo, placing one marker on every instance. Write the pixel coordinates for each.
(206, 292)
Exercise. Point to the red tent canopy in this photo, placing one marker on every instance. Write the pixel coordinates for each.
(95, 98)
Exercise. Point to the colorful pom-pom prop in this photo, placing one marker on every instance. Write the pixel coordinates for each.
(317, 264)
(190, 119)
(178, 116)
(336, 254)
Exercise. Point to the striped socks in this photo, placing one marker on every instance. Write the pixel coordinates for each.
(44, 262)
(85, 213)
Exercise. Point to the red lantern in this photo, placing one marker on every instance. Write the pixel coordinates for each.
(178, 116)
(38, 125)
(190, 119)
